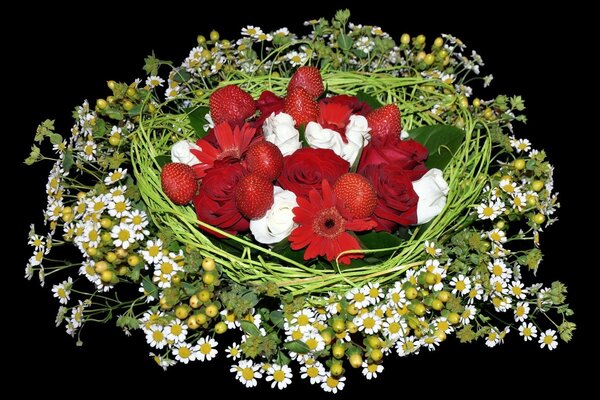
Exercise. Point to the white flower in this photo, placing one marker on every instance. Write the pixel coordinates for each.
(247, 372)
(206, 349)
(185, 352)
(153, 81)
(63, 291)
(357, 133)
(279, 129)
(180, 153)
(332, 383)
(528, 331)
(281, 375)
(432, 190)
(277, 223)
(315, 372)
(548, 338)
(371, 370)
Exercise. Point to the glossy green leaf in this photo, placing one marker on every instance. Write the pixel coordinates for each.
(297, 346)
(197, 117)
(249, 328)
(442, 141)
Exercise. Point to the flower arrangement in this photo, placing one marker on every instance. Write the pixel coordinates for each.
(332, 199)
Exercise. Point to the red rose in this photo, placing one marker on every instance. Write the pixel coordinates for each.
(405, 154)
(268, 103)
(215, 201)
(396, 198)
(306, 168)
(358, 107)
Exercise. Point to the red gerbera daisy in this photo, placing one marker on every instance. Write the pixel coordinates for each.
(323, 228)
(231, 142)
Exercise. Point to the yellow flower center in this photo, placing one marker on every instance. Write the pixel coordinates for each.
(248, 374)
(279, 376)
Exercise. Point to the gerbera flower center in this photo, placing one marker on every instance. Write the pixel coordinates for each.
(329, 223)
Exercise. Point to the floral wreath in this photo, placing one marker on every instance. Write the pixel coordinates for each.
(334, 199)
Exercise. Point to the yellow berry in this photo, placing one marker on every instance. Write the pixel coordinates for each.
(192, 323)
(337, 369)
(438, 42)
(539, 218)
(453, 318)
(106, 223)
(111, 257)
(133, 260)
(111, 85)
(209, 278)
(376, 355)
(421, 39)
(221, 327)
(519, 164)
(201, 39)
(114, 139)
(201, 319)
(405, 38)
(212, 311)
(204, 295)
(131, 92)
(338, 350)
(537, 185)
(182, 311)
(101, 104)
(127, 105)
(356, 360)
(101, 266)
(476, 102)
(107, 276)
(443, 296)
(437, 304)
(195, 301)
(208, 264)
(214, 36)
(429, 59)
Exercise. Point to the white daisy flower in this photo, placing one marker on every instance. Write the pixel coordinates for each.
(153, 253)
(461, 285)
(296, 59)
(315, 372)
(123, 235)
(247, 372)
(333, 383)
(517, 290)
(154, 81)
(490, 210)
(156, 337)
(497, 235)
(206, 348)
(548, 339)
(528, 331)
(233, 351)
(185, 352)
(468, 314)
(118, 206)
(520, 145)
(370, 371)
(431, 249)
(62, 291)
(521, 311)
(176, 331)
(407, 345)
(374, 292)
(280, 375)
(115, 176)
(368, 322)
(358, 297)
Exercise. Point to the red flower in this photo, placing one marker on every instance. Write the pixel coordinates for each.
(268, 103)
(335, 116)
(230, 143)
(356, 106)
(396, 198)
(322, 228)
(215, 201)
(306, 168)
(405, 154)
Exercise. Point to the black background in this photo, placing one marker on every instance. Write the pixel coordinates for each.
(58, 58)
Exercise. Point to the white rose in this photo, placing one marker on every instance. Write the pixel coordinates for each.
(279, 129)
(180, 153)
(357, 133)
(432, 190)
(278, 222)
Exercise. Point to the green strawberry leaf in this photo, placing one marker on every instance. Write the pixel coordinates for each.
(442, 141)
(369, 99)
(197, 117)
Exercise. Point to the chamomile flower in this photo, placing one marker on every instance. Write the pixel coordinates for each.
(520, 145)
(394, 327)
(279, 375)
(115, 176)
(430, 342)
(281, 32)
(368, 322)
(153, 252)
(230, 319)
(548, 339)
(206, 349)
(468, 314)
(185, 352)
(407, 345)
(303, 319)
(162, 362)
(123, 235)
(87, 270)
(88, 151)
(461, 285)
(517, 290)
(118, 206)
(176, 331)
(156, 337)
(252, 31)
(499, 269)
(490, 210)
(358, 297)
(370, 370)
(313, 370)
(519, 201)
(233, 351)
(497, 235)
(139, 221)
(62, 291)
(528, 331)
(154, 81)
(396, 297)
(521, 311)
(432, 250)
(296, 59)
(247, 372)
(333, 383)
(313, 340)
(492, 338)
(164, 271)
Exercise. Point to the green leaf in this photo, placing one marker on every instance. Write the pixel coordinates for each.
(276, 318)
(250, 298)
(250, 328)
(55, 138)
(283, 248)
(345, 42)
(442, 141)
(68, 160)
(162, 160)
(181, 75)
(297, 346)
(379, 240)
(151, 64)
(190, 289)
(149, 287)
(369, 99)
(197, 117)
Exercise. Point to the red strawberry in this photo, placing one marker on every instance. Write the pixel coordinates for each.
(253, 196)
(385, 121)
(301, 106)
(309, 79)
(178, 182)
(231, 104)
(357, 194)
(265, 159)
